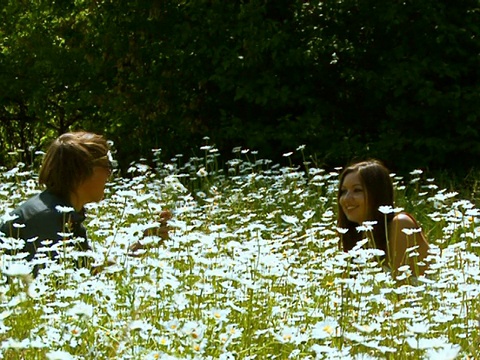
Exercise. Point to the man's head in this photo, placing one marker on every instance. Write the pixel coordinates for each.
(71, 160)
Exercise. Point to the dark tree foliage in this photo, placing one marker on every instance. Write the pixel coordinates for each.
(349, 79)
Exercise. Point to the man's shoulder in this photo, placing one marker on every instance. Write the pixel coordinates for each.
(41, 205)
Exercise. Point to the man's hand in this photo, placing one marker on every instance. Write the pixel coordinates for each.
(94, 270)
(160, 231)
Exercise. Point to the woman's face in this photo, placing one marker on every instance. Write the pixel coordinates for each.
(353, 198)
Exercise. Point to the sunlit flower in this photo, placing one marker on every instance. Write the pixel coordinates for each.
(202, 172)
(138, 324)
(342, 230)
(447, 352)
(290, 219)
(389, 209)
(423, 343)
(220, 315)
(81, 309)
(64, 209)
(324, 329)
(416, 172)
(418, 328)
(307, 215)
(8, 217)
(59, 355)
(172, 182)
(411, 231)
(17, 269)
(366, 226)
(367, 328)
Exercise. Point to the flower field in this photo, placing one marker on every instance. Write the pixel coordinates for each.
(252, 270)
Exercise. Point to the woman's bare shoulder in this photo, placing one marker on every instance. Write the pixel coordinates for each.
(404, 220)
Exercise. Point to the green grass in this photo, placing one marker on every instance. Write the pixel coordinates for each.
(252, 271)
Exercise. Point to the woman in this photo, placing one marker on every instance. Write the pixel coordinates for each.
(74, 172)
(364, 188)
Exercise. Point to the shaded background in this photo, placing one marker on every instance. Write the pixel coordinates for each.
(349, 79)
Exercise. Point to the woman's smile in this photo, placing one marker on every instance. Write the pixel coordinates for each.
(353, 198)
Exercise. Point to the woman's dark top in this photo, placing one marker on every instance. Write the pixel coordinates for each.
(43, 221)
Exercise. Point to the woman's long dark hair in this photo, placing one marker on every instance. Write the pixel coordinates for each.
(378, 187)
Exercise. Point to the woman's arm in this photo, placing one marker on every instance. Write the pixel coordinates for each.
(399, 241)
